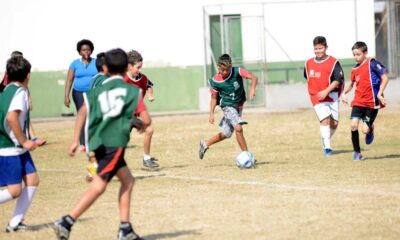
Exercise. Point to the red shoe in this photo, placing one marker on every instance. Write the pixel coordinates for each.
(39, 142)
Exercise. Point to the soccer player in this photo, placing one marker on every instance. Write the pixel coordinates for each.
(16, 164)
(135, 77)
(227, 87)
(32, 135)
(325, 83)
(109, 108)
(371, 79)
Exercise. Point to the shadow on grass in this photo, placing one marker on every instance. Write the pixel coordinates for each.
(35, 228)
(171, 235)
(131, 146)
(383, 157)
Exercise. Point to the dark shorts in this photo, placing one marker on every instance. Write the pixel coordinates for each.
(110, 160)
(14, 168)
(367, 115)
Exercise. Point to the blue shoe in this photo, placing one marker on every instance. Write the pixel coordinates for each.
(369, 137)
(328, 152)
(358, 156)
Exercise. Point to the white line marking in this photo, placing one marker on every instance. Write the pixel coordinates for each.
(286, 186)
(253, 183)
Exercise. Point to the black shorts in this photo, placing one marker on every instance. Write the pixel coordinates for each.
(367, 115)
(110, 160)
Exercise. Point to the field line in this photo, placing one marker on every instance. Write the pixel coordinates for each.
(287, 186)
(252, 183)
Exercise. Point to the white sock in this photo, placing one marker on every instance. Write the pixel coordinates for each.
(5, 196)
(23, 203)
(333, 130)
(326, 136)
(146, 157)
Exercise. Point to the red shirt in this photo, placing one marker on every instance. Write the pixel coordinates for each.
(368, 81)
(319, 77)
(141, 81)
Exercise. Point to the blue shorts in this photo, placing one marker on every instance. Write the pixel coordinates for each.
(14, 168)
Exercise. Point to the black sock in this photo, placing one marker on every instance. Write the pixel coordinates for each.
(355, 140)
(67, 222)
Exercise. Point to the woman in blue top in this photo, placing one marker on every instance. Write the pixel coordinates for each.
(80, 74)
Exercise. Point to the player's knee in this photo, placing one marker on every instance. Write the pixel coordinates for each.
(98, 189)
(354, 127)
(238, 128)
(365, 129)
(15, 192)
(149, 130)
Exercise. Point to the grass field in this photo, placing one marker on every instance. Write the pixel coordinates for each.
(293, 193)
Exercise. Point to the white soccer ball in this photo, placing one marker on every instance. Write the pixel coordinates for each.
(245, 159)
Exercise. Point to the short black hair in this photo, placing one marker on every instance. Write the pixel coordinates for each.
(320, 40)
(224, 60)
(16, 54)
(134, 57)
(84, 42)
(18, 69)
(360, 45)
(116, 61)
(100, 61)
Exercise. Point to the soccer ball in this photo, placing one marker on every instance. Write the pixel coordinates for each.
(245, 159)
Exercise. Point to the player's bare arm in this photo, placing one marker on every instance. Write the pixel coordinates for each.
(12, 119)
(322, 94)
(343, 97)
(384, 82)
(213, 104)
(253, 86)
(80, 121)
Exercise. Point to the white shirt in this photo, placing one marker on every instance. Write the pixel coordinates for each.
(20, 102)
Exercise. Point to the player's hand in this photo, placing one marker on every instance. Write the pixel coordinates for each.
(211, 119)
(150, 98)
(67, 101)
(343, 98)
(72, 149)
(29, 145)
(382, 99)
(251, 94)
(322, 94)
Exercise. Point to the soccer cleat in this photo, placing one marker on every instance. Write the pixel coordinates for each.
(358, 156)
(61, 232)
(203, 148)
(39, 142)
(91, 172)
(131, 235)
(328, 152)
(21, 227)
(369, 137)
(150, 163)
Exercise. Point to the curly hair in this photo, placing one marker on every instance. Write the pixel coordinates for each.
(134, 57)
(84, 42)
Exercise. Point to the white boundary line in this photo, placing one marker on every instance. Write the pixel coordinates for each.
(254, 183)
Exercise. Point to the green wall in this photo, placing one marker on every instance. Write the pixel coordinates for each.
(175, 88)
